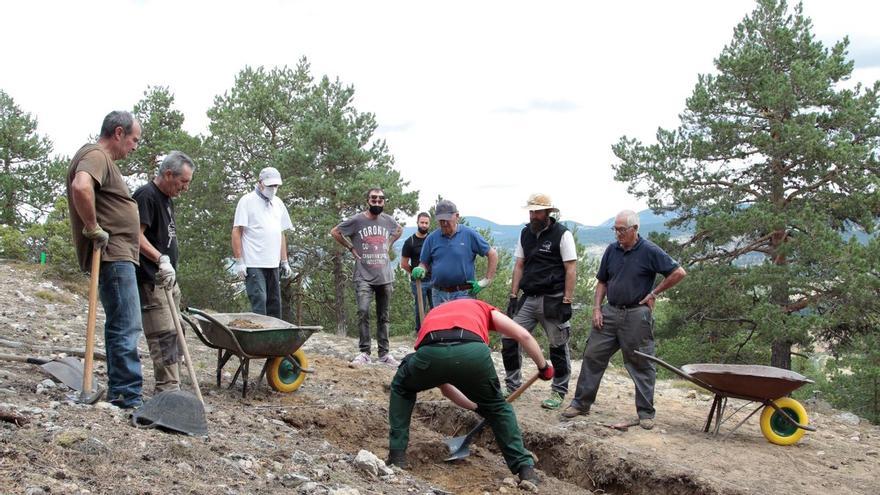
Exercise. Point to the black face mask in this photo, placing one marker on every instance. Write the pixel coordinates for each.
(423, 230)
(376, 209)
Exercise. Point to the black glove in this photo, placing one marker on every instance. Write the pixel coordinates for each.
(511, 307)
(564, 312)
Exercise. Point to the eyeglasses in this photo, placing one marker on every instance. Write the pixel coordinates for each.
(620, 230)
(377, 198)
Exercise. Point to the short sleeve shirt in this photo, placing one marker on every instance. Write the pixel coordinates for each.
(263, 222)
(412, 249)
(630, 275)
(451, 258)
(467, 314)
(371, 240)
(115, 210)
(156, 212)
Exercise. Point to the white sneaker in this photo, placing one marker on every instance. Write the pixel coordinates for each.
(389, 360)
(362, 358)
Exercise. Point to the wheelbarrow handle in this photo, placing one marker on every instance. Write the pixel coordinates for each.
(680, 372)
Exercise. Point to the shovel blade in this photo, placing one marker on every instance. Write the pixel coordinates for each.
(461, 453)
(455, 444)
(68, 371)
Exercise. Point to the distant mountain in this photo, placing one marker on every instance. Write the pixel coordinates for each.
(594, 238)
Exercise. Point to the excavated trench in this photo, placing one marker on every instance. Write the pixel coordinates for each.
(571, 457)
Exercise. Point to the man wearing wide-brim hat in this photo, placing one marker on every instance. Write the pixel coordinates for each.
(546, 272)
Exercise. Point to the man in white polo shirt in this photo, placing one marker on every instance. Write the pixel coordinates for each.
(259, 245)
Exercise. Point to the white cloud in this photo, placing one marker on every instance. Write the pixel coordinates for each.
(481, 102)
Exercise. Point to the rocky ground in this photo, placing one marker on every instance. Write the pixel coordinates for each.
(325, 437)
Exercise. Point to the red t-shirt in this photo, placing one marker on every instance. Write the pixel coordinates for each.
(468, 314)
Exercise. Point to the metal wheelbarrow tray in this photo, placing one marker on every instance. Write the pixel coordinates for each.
(783, 420)
(275, 340)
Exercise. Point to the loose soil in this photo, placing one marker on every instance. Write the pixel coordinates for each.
(306, 441)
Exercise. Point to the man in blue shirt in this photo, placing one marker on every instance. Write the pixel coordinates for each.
(450, 252)
(626, 275)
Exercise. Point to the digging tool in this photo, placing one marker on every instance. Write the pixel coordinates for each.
(175, 315)
(88, 395)
(420, 300)
(459, 446)
(68, 370)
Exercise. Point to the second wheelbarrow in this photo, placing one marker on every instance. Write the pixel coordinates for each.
(783, 420)
(254, 336)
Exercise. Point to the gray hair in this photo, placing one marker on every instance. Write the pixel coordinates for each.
(631, 217)
(117, 118)
(174, 162)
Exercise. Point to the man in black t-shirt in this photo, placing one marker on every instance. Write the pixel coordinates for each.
(158, 265)
(409, 259)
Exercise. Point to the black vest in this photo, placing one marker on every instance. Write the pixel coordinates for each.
(544, 272)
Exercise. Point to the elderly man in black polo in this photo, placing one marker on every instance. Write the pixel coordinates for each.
(626, 275)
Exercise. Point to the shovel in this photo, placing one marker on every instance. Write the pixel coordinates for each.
(68, 370)
(88, 394)
(459, 446)
(175, 315)
(420, 300)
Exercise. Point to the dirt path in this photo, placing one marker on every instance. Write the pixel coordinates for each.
(306, 441)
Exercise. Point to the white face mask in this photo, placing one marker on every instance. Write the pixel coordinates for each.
(269, 192)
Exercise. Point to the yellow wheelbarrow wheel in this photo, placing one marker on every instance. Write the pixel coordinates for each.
(777, 428)
(286, 376)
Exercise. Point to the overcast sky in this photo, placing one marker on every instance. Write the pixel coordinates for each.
(482, 102)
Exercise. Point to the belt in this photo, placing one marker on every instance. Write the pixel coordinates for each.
(451, 336)
(626, 306)
(454, 288)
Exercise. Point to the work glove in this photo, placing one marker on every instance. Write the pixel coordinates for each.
(564, 312)
(418, 273)
(511, 307)
(477, 286)
(546, 373)
(286, 272)
(98, 236)
(166, 275)
(240, 269)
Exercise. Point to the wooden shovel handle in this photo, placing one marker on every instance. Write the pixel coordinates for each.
(420, 300)
(175, 315)
(92, 317)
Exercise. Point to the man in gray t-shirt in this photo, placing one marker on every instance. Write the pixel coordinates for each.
(369, 236)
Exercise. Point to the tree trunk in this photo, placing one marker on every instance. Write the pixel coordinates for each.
(781, 354)
(339, 283)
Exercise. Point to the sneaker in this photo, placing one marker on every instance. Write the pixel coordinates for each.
(527, 473)
(553, 402)
(361, 359)
(389, 360)
(646, 423)
(573, 412)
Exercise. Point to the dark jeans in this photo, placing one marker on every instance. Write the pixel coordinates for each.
(364, 294)
(441, 296)
(117, 286)
(427, 300)
(264, 290)
(467, 366)
(629, 330)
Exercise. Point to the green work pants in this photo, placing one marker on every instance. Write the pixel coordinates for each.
(468, 366)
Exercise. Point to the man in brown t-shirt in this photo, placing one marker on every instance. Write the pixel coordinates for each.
(104, 216)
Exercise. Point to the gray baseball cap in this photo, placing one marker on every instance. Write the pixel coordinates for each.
(445, 210)
(270, 176)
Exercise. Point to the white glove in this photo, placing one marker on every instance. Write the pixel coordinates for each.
(166, 275)
(483, 283)
(240, 269)
(286, 272)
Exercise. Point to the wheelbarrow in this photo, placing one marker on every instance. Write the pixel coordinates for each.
(783, 420)
(254, 336)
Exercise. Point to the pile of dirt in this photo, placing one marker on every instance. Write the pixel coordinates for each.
(319, 438)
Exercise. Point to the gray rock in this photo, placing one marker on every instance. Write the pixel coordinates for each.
(293, 480)
(848, 418)
(368, 462)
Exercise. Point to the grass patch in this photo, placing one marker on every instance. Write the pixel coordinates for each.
(52, 296)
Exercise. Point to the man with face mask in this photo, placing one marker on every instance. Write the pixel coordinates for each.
(409, 258)
(546, 271)
(259, 245)
(369, 236)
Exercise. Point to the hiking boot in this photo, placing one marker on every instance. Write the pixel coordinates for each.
(553, 402)
(389, 360)
(573, 412)
(646, 423)
(361, 359)
(527, 473)
(397, 457)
